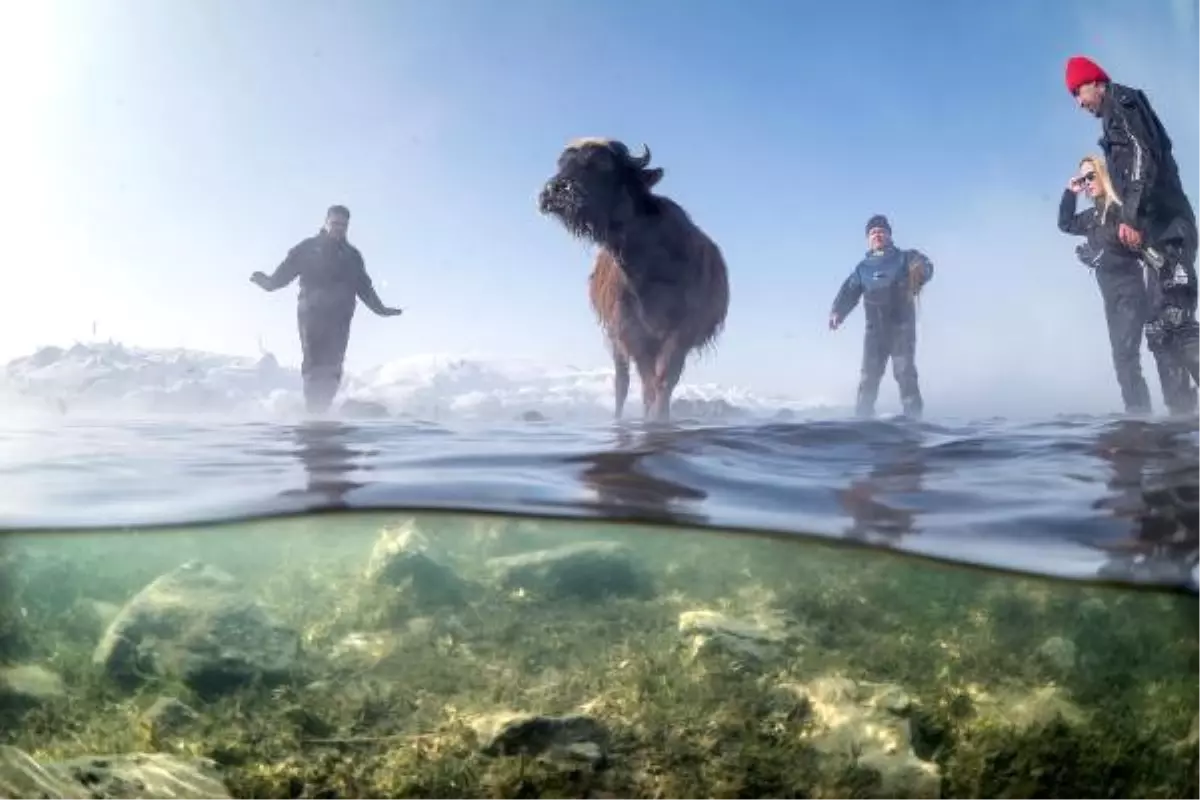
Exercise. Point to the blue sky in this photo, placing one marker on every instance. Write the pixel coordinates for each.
(165, 150)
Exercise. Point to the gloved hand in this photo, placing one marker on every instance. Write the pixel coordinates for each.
(1089, 255)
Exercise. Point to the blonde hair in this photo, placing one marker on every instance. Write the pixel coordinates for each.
(1108, 195)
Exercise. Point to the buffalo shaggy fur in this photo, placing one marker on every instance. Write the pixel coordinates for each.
(659, 286)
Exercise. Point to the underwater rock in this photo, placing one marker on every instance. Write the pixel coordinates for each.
(29, 685)
(197, 623)
(135, 775)
(701, 408)
(168, 715)
(573, 737)
(866, 727)
(1058, 653)
(1020, 711)
(404, 559)
(588, 570)
(712, 632)
(364, 409)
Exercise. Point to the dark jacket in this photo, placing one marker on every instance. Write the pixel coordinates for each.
(881, 280)
(332, 275)
(1103, 249)
(1141, 163)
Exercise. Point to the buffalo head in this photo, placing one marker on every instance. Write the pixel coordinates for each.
(599, 187)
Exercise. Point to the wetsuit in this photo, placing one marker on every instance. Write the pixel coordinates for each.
(332, 278)
(1122, 281)
(881, 280)
(1146, 178)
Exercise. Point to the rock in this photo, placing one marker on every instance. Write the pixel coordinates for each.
(404, 559)
(713, 632)
(168, 715)
(573, 737)
(700, 408)
(1057, 653)
(532, 416)
(1024, 710)
(869, 727)
(361, 649)
(589, 570)
(136, 775)
(364, 409)
(28, 685)
(197, 624)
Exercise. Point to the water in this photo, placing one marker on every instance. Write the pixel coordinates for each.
(654, 612)
(1083, 498)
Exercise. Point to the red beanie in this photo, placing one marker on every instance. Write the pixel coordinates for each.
(1082, 70)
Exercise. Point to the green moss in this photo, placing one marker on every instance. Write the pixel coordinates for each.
(396, 722)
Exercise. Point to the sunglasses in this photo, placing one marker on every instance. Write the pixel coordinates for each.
(1089, 177)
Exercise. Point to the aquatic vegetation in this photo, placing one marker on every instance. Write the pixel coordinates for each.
(389, 656)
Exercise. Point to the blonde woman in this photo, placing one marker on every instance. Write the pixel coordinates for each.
(1119, 274)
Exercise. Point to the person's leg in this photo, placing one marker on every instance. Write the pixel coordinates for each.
(876, 347)
(904, 369)
(1125, 308)
(1172, 331)
(325, 337)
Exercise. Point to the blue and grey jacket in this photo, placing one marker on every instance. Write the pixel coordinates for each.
(882, 281)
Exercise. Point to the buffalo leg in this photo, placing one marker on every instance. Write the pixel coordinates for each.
(667, 371)
(620, 380)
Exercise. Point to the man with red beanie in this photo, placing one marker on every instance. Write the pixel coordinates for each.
(1155, 218)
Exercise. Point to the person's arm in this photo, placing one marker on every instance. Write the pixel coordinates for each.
(284, 274)
(1131, 120)
(847, 298)
(364, 287)
(1070, 222)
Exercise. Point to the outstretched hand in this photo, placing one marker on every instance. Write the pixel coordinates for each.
(834, 322)
(388, 311)
(259, 279)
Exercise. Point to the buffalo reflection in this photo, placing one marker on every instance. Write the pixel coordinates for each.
(629, 480)
(1154, 488)
(324, 449)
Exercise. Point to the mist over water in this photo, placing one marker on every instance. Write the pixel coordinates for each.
(119, 436)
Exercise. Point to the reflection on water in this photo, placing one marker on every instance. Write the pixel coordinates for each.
(1154, 490)
(373, 655)
(324, 449)
(879, 504)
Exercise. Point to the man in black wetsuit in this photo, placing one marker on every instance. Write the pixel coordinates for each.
(333, 278)
(1156, 218)
(888, 281)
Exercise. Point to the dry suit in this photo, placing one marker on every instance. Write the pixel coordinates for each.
(1146, 178)
(1122, 281)
(333, 278)
(883, 282)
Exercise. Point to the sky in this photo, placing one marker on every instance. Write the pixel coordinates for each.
(155, 154)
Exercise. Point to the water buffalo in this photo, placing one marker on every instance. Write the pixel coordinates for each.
(659, 286)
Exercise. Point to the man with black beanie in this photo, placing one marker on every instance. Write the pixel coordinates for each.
(888, 281)
(1156, 219)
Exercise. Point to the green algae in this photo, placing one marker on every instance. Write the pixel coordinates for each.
(991, 712)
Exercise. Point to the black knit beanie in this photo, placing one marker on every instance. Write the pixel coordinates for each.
(879, 221)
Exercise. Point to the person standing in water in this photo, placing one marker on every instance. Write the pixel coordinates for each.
(888, 281)
(333, 277)
(1156, 219)
(1119, 274)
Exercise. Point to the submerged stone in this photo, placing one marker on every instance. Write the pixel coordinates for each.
(403, 559)
(29, 685)
(574, 736)
(133, 775)
(197, 624)
(588, 570)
